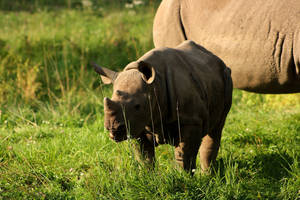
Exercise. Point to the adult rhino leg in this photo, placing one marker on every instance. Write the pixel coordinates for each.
(187, 148)
(168, 30)
(145, 150)
(209, 150)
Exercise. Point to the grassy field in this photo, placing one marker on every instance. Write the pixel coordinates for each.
(52, 141)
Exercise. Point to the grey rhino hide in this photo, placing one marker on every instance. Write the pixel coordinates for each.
(180, 96)
(258, 39)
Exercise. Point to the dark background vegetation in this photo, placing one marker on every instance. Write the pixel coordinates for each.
(34, 5)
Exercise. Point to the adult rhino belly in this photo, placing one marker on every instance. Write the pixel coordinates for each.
(251, 38)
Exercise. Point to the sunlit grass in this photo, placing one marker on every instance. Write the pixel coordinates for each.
(57, 153)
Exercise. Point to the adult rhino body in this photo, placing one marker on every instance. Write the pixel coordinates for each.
(259, 39)
(180, 96)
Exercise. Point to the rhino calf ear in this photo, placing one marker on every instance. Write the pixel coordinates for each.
(148, 72)
(107, 76)
(106, 80)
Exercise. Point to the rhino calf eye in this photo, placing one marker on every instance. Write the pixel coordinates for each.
(137, 106)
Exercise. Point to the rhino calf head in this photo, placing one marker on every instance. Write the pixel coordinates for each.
(128, 110)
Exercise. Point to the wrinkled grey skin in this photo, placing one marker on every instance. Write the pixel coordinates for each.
(258, 39)
(179, 96)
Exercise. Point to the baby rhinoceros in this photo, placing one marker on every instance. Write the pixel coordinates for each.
(178, 96)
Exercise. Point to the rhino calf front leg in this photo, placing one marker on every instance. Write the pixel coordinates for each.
(187, 149)
(208, 151)
(144, 150)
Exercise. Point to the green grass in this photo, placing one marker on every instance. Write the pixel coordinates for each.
(52, 141)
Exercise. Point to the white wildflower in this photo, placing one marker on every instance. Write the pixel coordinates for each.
(137, 2)
(86, 3)
(131, 12)
(128, 5)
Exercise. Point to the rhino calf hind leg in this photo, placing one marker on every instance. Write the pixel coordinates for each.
(144, 150)
(208, 151)
(187, 148)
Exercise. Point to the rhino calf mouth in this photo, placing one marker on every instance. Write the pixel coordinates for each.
(118, 134)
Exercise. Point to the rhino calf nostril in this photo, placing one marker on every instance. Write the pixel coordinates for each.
(121, 128)
(137, 107)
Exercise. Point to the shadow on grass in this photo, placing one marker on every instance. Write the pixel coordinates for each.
(273, 166)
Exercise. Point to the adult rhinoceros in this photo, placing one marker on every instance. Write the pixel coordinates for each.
(258, 39)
